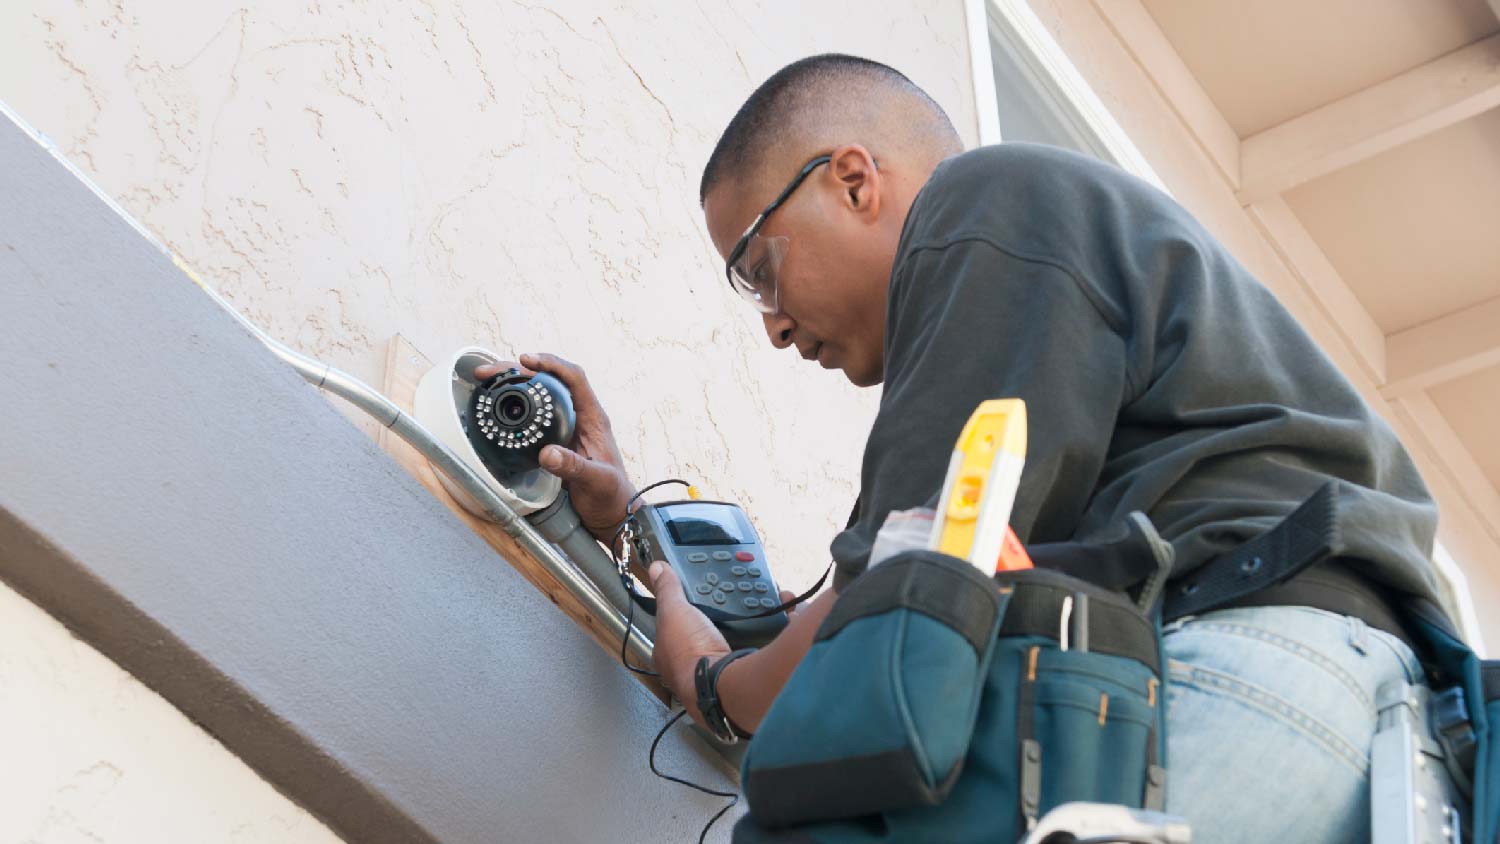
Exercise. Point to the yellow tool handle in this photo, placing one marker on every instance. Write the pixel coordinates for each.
(973, 515)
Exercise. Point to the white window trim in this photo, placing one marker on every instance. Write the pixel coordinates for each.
(982, 70)
(1016, 25)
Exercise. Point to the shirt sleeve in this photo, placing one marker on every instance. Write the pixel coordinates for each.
(970, 321)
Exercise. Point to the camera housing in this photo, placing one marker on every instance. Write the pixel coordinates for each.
(445, 405)
(512, 417)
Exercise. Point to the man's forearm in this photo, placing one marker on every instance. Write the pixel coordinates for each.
(748, 686)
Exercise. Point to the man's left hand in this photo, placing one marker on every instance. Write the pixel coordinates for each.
(683, 635)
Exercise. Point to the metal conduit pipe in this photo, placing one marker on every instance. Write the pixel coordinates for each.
(369, 400)
(560, 523)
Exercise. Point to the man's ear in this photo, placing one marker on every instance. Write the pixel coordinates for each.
(853, 168)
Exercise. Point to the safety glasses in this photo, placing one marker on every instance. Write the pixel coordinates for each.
(755, 261)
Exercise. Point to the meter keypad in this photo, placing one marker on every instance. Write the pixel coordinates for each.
(718, 558)
(725, 581)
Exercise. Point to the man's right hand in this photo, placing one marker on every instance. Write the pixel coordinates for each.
(592, 470)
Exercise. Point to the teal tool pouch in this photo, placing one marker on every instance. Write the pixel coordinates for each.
(1487, 763)
(938, 704)
(1466, 718)
(880, 712)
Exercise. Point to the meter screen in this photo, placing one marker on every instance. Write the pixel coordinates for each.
(704, 524)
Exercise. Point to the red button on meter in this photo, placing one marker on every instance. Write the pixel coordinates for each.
(744, 556)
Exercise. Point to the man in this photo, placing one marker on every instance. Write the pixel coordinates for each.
(1159, 376)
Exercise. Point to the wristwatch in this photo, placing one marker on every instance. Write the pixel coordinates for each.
(706, 683)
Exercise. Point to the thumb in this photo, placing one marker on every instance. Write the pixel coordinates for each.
(569, 465)
(664, 583)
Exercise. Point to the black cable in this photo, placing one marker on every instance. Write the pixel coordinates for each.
(650, 487)
(629, 626)
(734, 797)
(625, 577)
(631, 594)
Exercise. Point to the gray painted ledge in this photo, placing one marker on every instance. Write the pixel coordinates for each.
(188, 506)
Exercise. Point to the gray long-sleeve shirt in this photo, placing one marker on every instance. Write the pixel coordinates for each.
(1158, 374)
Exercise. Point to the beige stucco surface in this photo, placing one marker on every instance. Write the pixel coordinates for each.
(521, 176)
(92, 755)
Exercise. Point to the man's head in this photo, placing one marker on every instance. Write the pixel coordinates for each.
(832, 241)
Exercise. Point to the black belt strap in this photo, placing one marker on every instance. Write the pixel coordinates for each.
(1113, 625)
(1309, 535)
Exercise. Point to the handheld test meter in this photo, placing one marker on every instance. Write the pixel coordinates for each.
(719, 559)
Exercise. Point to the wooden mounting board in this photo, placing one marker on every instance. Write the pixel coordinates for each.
(404, 367)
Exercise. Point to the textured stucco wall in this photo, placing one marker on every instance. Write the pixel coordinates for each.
(85, 748)
(181, 500)
(517, 175)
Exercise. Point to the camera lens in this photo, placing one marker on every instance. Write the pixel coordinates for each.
(512, 409)
(511, 418)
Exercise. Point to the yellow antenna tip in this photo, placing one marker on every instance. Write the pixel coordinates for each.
(693, 492)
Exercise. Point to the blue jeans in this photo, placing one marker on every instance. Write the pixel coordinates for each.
(1270, 717)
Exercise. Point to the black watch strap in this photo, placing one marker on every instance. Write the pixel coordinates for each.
(706, 686)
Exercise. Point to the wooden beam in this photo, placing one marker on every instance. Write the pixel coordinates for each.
(1427, 424)
(1312, 268)
(405, 366)
(1420, 101)
(1144, 40)
(1442, 350)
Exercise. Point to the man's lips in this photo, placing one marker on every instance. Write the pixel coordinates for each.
(811, 353)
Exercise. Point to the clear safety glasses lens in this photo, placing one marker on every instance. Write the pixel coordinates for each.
(754, 275)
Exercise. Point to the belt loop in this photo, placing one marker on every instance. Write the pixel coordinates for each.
(1359, 635)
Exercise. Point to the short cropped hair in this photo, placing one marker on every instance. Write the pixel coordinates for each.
(819, 90)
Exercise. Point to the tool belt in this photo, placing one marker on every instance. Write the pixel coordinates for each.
(1300, 562)
(938, 704)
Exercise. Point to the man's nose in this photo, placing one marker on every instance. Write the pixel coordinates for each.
(779, 328)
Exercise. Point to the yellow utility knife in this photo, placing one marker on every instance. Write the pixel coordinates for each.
(973, 515)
